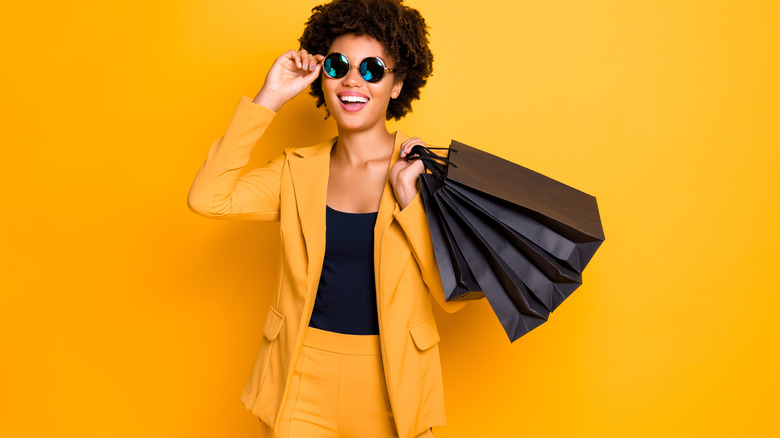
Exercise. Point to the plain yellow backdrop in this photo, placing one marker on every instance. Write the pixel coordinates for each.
(124, 314)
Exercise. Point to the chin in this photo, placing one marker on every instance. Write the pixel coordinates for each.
(356, 121)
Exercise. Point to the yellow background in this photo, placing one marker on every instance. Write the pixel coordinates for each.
(124, 314)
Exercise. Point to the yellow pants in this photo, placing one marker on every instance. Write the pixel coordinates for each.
(338, 390)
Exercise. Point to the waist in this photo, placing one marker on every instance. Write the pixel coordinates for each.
(341, 343)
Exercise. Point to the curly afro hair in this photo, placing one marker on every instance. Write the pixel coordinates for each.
(401, 29)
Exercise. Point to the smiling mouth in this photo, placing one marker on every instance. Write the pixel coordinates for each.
(353, 100)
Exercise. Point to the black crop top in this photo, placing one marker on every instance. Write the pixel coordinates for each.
(346, 296)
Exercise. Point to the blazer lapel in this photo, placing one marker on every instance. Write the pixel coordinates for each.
(309, 169)
(384, 218)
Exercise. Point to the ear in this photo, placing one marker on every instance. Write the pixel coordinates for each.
(397, 86)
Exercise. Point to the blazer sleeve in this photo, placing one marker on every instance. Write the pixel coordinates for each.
(218, 191)
(414, 223)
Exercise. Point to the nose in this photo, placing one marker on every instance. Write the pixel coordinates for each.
(352, 79)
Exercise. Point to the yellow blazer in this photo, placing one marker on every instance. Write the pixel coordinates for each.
(293, 189)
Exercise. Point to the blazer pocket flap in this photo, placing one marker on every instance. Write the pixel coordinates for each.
(273, 323)
(424, 333)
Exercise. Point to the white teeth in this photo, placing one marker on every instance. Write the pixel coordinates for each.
(358, 99)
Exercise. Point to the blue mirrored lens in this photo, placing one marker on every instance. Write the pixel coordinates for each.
(372, 70)
(336, 65)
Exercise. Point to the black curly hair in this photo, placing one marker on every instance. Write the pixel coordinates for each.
(401, 29)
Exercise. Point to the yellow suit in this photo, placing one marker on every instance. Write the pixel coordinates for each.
(293, 189)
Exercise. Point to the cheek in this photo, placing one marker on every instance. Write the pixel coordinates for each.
(326, 85)
(329, 94)
(384, 92)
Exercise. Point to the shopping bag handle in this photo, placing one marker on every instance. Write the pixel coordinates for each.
(431, 160)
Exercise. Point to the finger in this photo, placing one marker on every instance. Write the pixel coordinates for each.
(413, 141)
(304, 59)
(407, 145)
(290, 54)
(405, 148)
(295, 57)
(312, 62)
(319, 58)
(312, 75)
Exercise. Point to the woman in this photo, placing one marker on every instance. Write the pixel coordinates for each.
(349, 344)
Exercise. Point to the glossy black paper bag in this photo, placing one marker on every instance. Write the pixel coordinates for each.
(512, 235)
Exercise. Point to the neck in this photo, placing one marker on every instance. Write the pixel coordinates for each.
(360, 147)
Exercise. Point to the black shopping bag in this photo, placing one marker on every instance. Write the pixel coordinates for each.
(506, 233)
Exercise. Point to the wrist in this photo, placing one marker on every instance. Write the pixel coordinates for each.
(406, 195)
(269, 100)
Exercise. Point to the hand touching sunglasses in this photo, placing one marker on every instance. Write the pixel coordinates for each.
(371, 69)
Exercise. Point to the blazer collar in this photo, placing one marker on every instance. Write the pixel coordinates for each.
(309, 170)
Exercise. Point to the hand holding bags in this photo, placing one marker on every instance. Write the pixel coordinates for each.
(506, 233)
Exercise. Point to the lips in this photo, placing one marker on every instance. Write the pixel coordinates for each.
(352, 101)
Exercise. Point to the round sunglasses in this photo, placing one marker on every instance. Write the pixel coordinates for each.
(372, 69)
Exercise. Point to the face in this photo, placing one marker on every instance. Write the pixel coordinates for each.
(358, 105)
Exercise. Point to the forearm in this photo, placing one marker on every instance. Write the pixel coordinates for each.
(218, 191)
